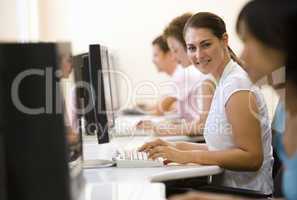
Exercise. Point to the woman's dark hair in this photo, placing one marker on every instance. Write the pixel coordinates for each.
(261, 20)
(273, 22)
(212, 22)
(176, 27)
(161, 43)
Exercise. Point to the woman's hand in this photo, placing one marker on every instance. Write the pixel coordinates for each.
(162, 129)
(155, 143)
(145, 125)
(168, 153)
(163, 149)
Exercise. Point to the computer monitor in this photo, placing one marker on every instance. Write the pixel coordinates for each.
(108, 85)
(115, 76)
(93, 93)
(86, 102)
(96, 62)
(42, 152)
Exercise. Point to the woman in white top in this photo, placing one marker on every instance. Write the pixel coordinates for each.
(237, 129)
(192, 90)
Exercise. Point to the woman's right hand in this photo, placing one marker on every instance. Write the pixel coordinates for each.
(158, 142)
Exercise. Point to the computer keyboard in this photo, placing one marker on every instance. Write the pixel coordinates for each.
(134, 159)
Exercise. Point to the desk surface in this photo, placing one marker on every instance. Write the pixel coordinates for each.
(132, 183)
(156, 174)
(129, 184)
(123, 191)
(93, 151)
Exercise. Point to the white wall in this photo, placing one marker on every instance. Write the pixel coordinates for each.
(128, 26)
(8, 20)
(18, 20)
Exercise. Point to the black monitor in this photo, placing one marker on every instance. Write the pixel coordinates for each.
(94, 92)
(108, 75)
(96, 60)
(86, 103)
(115, 76)
(42, 152)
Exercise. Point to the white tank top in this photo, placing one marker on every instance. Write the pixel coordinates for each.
(218, 132)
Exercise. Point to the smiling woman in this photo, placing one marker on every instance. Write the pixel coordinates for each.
(237, 129)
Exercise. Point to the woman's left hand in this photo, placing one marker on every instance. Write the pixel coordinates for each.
(168, 153)
(145, 125)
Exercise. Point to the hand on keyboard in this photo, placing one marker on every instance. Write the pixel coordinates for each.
(145, 124)
(167, 150)
(134, 158)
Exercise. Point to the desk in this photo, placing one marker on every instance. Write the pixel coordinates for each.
(112, 181)
(123, 191)
(124, 127)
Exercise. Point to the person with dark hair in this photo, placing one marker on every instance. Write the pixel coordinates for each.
(267, 29)
(162, 57)
(165, 62)
(193, 90)
(269, 47)
(173, 33)
(237, 130)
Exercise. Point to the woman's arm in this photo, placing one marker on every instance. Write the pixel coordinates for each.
(210, 196)
(241, 111)
(165, 105)
(204, 97)
(184, 146)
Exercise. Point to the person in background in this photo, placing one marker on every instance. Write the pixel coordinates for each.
(193, 90)
(267, 30)
(237, 130)
(165, 62)
(69, 102)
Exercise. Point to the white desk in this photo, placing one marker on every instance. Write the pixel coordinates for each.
(137, 181)
(123, 191)
(123, 123)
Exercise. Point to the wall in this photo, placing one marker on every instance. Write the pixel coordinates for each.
(128, 27)
(8, 20)
(19, 20)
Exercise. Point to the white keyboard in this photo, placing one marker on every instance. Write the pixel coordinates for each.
(135, 159)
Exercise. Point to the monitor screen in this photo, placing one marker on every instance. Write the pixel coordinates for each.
(86, 104)
(94, 92)
(107, 74)
(98, 91)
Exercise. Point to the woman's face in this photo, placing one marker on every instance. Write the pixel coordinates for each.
(259, 59)
(177, 48)
(206, 51)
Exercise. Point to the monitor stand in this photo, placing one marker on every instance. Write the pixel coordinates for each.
(93, 164)
(98, 155)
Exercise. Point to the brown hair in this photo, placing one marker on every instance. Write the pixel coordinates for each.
(176, 27)
(212, 22)
(161, 42)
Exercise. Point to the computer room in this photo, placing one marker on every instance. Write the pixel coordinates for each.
(148, 100)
